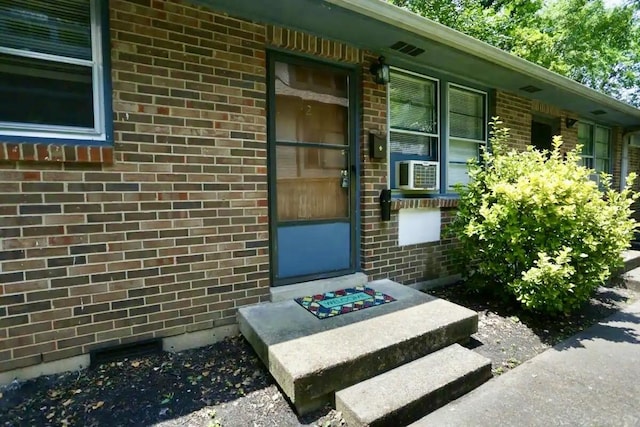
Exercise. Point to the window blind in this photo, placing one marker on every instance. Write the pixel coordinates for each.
(466, 114)
(413, 104)
(61, 27)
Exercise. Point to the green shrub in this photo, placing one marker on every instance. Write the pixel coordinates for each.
(534, 227)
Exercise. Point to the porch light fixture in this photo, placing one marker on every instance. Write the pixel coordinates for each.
(380, 71)
(570, 122)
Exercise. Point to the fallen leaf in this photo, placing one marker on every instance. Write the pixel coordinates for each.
(51, 415)
(67, 402)
(97, 405)
(187, 365)
(204, 374)
(77, 391)
(135, 364)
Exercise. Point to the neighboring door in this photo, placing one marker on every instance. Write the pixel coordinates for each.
(312, 179)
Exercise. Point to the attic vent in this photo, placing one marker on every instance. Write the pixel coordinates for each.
(598, 112)
(530, 89)
(407, 48)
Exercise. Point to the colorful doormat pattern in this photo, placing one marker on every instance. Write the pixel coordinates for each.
(343, 301)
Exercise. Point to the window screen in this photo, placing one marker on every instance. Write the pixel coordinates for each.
(596, 146)
(466, 114)
(413, 104)
(61, 27)
(413, 116)
(49, 67)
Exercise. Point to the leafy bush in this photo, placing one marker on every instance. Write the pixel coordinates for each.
(533, 226)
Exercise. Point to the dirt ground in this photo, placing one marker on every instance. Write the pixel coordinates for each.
(226, 385)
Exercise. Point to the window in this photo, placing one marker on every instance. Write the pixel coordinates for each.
(413, 119)
(596, 142)
(51, 68)
(467, 131)
(416, 103)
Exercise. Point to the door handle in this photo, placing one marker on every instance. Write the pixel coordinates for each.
(344, 178)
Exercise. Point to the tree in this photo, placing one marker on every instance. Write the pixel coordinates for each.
(585, 40)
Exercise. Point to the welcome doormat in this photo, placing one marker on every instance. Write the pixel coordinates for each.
(343, 301)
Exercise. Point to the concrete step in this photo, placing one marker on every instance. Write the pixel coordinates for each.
(631, 260)
(312, 358)
(409, 392)
(281, 293)
(631, 279)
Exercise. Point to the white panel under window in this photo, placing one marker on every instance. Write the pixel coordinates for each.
(418, 226)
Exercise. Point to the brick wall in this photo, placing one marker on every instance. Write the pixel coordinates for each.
(517, 112)
(634, 166)
(381, 255)
(170, 238)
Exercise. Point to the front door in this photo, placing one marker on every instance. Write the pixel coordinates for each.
(313, 177)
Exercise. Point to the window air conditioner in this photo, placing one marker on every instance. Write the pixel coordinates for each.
(418, 175)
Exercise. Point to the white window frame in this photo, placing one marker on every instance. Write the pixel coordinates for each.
(98, 132)
(437, 135)
(594, 127)
(449, 137)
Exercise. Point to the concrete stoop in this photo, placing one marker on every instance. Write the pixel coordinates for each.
(312, 359)
(631, 260)
(629, 274)
(407, 393)
(631, 279)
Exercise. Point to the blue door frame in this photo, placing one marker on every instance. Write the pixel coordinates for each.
(306, 250)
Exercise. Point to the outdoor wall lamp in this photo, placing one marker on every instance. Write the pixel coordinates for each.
(380, 71)
(570, 122)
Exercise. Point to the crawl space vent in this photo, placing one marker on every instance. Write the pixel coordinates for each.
(125, 351)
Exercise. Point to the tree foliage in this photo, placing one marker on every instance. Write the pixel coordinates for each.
(586, 40)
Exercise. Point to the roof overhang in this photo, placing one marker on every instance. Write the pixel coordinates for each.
(376, 25)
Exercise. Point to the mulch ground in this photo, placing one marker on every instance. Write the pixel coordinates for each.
(226, 385)
(509, 335)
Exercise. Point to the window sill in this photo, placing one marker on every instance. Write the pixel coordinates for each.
(433, 202)
(56, 153)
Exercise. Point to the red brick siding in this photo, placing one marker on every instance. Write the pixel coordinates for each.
(515, 113)
(172, 237)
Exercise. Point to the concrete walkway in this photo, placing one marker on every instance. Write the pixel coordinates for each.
(592, 379)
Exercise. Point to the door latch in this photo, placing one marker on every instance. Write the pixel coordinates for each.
(344, 181)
